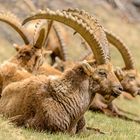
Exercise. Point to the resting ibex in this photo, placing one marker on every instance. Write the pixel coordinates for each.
(128, 76)
(28, 57)
(59, 105)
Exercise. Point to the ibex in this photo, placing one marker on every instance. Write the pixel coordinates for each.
(128, 76)
(58, 105)
(28, 58)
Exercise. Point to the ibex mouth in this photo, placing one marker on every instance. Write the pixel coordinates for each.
(116, 92)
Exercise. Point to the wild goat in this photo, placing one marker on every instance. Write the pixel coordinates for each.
(129, 73)
(28, 57)
(59, 104)
(128, 76)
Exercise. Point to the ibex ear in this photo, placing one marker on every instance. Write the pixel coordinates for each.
(119, 73)
(16, 47)
(40, 40)
(87, 68)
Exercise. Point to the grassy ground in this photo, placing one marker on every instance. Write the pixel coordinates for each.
(114, 128)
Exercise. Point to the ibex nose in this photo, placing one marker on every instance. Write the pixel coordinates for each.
(117, 90)
(120, 88)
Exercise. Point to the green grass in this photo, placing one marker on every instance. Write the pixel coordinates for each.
(114, 128)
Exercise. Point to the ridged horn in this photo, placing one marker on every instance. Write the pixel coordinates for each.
(122, 48)
(113, 39)
(50, 24)
(81, 14)
(38, 27)
(40, 35)
(63, 48)
(14, 22)
(91, 36)
(40, 40)
(40, 24)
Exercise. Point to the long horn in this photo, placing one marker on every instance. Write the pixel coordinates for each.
(33, 8)
(81, 14)
(123, 49)
(50, 24)
(113, 39)
(91, 36)
(40, 40)
(14, 22)
(63, 48)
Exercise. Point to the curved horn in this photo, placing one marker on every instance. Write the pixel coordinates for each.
(40, 40)
(63, 48)
(122, 48)
(33, 8)
(12, 20)
(91, 36)
(81, 14)
(50, 24)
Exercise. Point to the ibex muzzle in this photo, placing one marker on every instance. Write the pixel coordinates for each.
(130, 81)
(109, 84)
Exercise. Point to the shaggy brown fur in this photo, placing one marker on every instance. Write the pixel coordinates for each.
(56, 105)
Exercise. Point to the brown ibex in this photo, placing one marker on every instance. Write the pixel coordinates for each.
(128, 76)
(59, 105)
(28, 58)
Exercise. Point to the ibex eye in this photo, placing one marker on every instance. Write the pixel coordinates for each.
(132, 77)
(102, 73)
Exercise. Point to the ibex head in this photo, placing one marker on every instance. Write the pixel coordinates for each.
(104, 76)
(128, 76)
(31, 55)
(130, 80)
